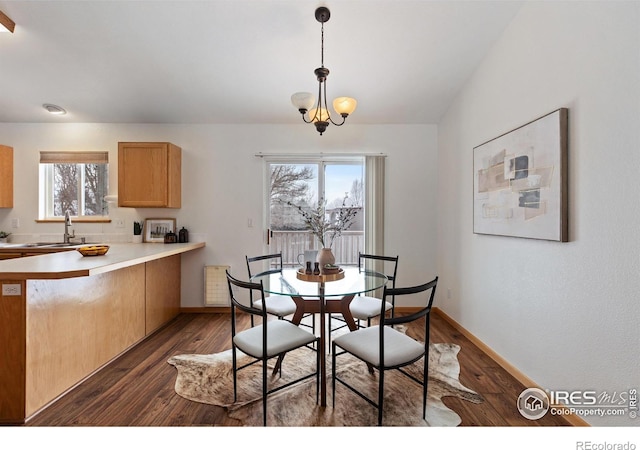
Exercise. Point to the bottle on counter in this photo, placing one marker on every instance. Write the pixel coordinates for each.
(183, 235)
(170, 238)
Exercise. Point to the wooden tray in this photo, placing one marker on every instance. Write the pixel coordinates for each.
(319, 278)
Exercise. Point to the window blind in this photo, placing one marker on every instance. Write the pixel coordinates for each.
(74, 157)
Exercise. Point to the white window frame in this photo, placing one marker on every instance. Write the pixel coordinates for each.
(374, 191)
(46, 177)
(321, 161)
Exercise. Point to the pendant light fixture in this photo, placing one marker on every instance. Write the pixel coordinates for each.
(305, 102)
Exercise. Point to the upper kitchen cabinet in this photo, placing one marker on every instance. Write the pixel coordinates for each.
(149, 175)
(6, 177)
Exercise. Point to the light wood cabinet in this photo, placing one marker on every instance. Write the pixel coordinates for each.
(162, 284)
(149, 175)
(58, 331)
(9, 255)
(6, 177)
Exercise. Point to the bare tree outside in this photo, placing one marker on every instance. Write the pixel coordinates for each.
(80, 189)
(296, 184)
(65, 189)
(289, 183)
(95, 189)
(328, 192)
(356, 196)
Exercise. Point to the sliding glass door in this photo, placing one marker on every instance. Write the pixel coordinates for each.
(306, 183)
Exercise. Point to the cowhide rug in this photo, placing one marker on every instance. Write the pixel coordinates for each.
(208, 379)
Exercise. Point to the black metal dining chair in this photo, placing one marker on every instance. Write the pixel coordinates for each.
(263, 342)
(277, 305)
(366, 307)
(385, 348)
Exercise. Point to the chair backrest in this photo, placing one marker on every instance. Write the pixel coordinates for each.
(235, 286)
(385, 264)
(267, 263)
(428, 292)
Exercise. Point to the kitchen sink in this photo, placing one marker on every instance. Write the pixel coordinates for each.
(51, 244)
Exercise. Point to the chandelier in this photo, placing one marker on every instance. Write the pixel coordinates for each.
(305, 102)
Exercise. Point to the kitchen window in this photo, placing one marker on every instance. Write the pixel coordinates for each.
(73, 181)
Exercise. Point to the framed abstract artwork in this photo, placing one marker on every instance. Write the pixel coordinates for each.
(520, 181)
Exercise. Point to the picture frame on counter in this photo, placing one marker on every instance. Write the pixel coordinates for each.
(155, 229)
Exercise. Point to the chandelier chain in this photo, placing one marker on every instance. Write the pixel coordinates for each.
(322, 45)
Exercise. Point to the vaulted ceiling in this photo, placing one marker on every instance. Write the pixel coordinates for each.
(239, 61)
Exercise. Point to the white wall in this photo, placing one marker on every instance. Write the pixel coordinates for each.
(222, 185)
(565, 314)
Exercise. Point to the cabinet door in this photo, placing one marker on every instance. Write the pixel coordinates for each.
(149, 175)
(162, 291)
(6, 177)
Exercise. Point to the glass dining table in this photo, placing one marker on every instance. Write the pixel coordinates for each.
(321, 294)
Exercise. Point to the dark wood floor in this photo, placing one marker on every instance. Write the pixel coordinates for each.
(137, 388)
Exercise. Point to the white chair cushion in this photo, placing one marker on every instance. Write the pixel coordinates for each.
(278, 305)
(282, 336)
(364, 343)
(364, 307)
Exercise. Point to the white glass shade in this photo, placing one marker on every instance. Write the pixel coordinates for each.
(322, 116)
(303, 100)
(345, 105)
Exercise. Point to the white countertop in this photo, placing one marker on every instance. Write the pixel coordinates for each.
(69, 264)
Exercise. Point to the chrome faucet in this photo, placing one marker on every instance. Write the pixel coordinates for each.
(67, 224)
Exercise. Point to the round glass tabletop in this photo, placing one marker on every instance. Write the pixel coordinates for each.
(354, 282)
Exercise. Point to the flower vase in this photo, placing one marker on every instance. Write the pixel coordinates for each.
(325, 256)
